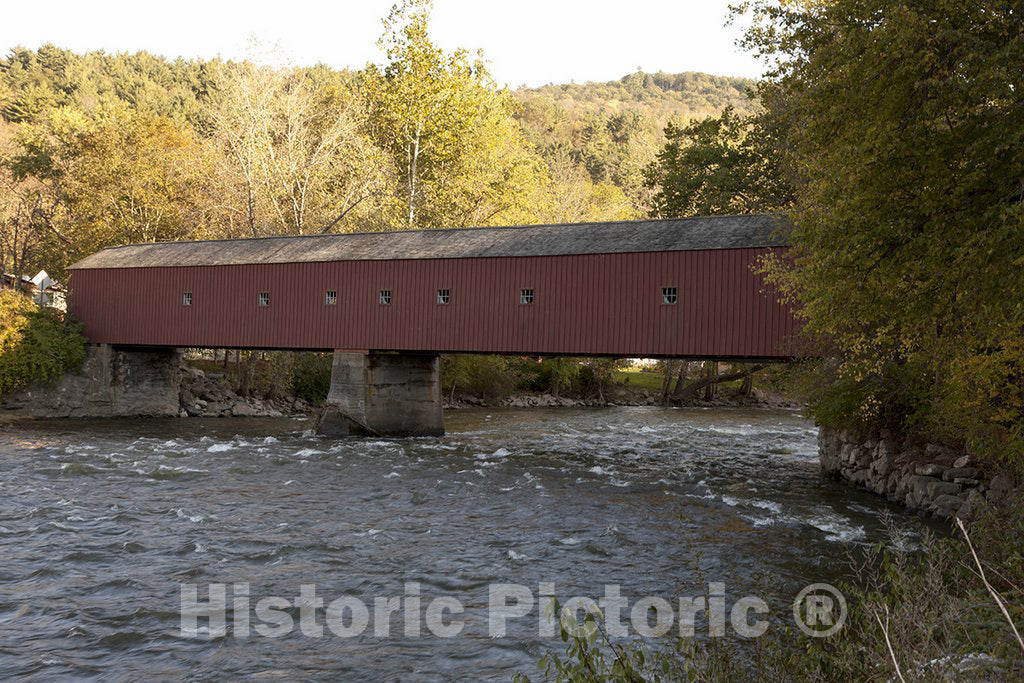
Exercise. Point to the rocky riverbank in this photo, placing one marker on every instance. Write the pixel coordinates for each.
(113, 383)
(927, 477)
(622, 397)
(203, 394)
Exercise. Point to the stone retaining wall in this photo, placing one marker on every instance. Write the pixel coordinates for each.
(111, 383)
(927, 477)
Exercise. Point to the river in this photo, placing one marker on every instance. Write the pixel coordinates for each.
(101, 522)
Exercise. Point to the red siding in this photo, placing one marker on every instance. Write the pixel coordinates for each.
(603, 304)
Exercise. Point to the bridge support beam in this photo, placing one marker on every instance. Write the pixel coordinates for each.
(383, 394)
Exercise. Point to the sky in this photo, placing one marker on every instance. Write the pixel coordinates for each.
(526, 42)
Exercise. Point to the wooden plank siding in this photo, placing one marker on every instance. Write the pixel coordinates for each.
(585, 304)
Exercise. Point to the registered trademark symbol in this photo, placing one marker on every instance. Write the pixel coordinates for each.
(819, 610)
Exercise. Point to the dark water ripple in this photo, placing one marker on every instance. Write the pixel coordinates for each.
(101, 521)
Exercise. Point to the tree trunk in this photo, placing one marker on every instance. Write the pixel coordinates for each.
(248, 370)
(748, 385)
(711, 371)
(703, 382)
(684, 367)
(666, 383)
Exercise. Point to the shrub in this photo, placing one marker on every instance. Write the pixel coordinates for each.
(487, 377)
(915, 615)
(311, 376)
(37, 345)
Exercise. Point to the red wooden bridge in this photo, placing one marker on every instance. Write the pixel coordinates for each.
(655, 288)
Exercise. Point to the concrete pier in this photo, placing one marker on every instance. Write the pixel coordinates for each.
(383, 394)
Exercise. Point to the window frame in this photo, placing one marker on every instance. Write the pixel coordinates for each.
(263, 300)
(669, 296)
(331, 297)
(526, 296)
(384, 298)
(444, 296)
(186, 298)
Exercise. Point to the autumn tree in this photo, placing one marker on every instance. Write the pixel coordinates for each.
(905, 123)
(447, 130)
(295, 158)
(111, 177)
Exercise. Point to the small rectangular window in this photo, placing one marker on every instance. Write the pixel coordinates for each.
(668, 295)
(264, 299)
(443, 296)
(331, 298)
(385, 297)
(526, 296)
(186, 299)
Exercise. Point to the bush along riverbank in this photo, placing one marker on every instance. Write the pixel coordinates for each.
(945, 610)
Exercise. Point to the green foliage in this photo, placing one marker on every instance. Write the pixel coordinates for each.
(486, 377)
(718, 165)
(102, 149)
(612, 131)
(448, 131)
(114, 176)
(927, 608)
(904, 125)
(37, 346)
(311, 376)
(496, 377)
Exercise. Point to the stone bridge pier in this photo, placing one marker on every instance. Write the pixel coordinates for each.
(383, 394)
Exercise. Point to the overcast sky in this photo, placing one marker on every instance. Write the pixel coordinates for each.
(530, 42)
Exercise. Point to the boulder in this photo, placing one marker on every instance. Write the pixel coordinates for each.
(941, 488)
(946, 505)
(954, 473)
(241, 409)
(217, 408)
(931, 469)
(917, 489)
(864, 458)
(962, 461)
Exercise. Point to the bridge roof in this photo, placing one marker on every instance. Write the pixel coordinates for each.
(687, 234)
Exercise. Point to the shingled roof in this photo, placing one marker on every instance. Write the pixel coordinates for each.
(687, 234)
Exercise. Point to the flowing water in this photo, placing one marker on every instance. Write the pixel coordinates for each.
(101, 522)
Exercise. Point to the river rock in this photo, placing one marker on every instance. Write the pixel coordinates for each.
(930, 470)
(954, 473)
(942, 488)
(923, 476)
(241, 409)
(217, 408)
(946, 505)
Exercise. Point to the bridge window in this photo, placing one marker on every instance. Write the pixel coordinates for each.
(331, 298)
(264, 299)
(668, 295)
(385, 297)
(443, 296)
(526, 296)
(186, 299)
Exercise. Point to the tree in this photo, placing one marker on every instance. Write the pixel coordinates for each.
(719, 165)
(111, 177)
(905, 123)
(447, 130)
(295, 155)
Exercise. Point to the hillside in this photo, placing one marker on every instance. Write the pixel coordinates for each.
(663, 96)
(613, 130)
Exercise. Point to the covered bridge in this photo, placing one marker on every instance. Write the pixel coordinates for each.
(682, 288)
(650, 288)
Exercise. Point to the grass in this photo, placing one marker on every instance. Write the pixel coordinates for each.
(635, 378)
